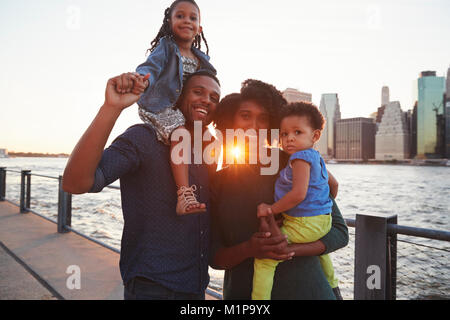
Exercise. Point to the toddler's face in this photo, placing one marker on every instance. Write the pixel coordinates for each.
(297, 134)
(185, 21)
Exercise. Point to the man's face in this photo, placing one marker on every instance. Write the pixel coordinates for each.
(199, 100)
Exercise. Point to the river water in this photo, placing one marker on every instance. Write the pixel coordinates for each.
(419, 195)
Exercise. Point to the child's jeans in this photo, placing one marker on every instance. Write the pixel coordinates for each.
(298, 230)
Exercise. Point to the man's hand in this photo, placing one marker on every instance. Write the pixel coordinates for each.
(119, 98)
(127, 85)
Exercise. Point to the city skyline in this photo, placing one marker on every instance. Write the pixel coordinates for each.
(57, 56)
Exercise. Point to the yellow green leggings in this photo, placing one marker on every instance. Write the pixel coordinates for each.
(298, 230)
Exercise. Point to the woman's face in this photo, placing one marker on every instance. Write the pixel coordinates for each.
(251, 115)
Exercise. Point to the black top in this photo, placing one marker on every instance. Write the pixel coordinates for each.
(236, 192)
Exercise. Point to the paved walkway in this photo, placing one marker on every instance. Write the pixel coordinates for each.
(16, 283)
(36, 262)
(49, 255)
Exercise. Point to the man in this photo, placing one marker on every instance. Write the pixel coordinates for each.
(163, 255)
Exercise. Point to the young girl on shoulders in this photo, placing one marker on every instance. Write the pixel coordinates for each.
(174, 54)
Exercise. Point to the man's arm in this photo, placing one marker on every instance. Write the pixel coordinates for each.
(79, 173)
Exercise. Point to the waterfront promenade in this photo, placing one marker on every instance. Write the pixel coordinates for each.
(47, 254)
(35, 259)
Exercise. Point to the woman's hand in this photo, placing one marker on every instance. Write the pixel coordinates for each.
(263, 245)
(124, 90)
(270, 242)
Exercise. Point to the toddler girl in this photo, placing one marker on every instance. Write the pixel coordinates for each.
(301, 193)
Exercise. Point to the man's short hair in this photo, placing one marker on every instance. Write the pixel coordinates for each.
(202, 72)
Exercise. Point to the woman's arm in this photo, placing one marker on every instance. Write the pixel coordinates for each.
(333, 184)
(261, 246)
(337, 237)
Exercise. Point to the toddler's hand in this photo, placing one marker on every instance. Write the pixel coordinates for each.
(264, 210)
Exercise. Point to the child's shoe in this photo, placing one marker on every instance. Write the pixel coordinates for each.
(186, 199)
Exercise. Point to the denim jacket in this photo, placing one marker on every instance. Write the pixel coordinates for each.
(166, 75)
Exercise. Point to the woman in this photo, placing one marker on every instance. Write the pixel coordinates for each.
(236, 192)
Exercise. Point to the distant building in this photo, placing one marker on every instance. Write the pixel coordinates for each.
(3, 153)
(329, 106)
(411, 120)
(293, 95)
(429, 108)
(380, 113)
(355, 139)
(392, 137)
(447, 116)
(385, 99)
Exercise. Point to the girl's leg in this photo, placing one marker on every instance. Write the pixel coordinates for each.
(264, 269)
(310, 229)
(187, 202)
(328, 270)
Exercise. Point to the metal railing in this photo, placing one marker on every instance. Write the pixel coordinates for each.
(64, 216)
(375, 240)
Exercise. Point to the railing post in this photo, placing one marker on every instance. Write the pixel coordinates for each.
(2, 183)
(25, 191)
(375, 258)
(64, 208)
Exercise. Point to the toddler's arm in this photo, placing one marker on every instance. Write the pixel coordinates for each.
(300, 182)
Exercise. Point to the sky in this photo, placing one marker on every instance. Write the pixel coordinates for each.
(57, 55)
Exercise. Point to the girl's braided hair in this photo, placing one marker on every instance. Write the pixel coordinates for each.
(166, 29)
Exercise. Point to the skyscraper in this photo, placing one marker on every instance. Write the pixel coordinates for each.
(412, 124)
(355, 139)
(293, 95)
(392, 138)
(429, 107)
(385, 96)
(329, 106)
(447, 116)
